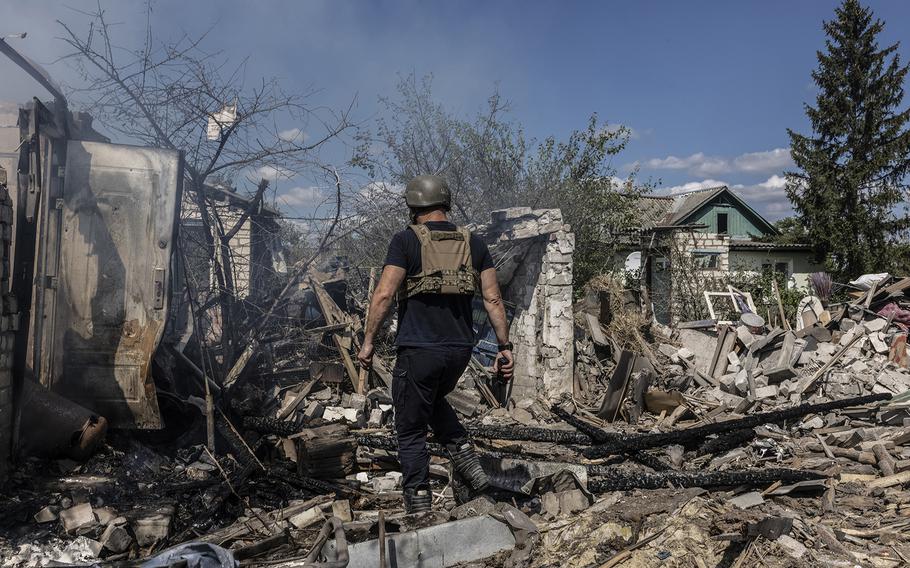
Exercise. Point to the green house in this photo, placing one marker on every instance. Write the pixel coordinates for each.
(721, 233)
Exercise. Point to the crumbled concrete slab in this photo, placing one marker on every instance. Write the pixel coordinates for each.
(747, 500)
(45, 515)
(307, 518)
(116, 538)
(78, 517)
(444, 545)
(342, 510)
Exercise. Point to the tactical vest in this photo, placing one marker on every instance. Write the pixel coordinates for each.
(445, 258)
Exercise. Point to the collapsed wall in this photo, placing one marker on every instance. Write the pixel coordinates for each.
(533, 250)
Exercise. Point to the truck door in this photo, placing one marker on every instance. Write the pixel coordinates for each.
(118, 220)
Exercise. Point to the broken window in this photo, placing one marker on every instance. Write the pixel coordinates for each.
(706, 260)
(778, 267)
(722, 223)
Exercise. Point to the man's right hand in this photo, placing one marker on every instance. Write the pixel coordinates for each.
(504, 370)
(365, 357)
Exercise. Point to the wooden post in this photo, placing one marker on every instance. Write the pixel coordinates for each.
(382, 563)
(362, 378)
(780, 305)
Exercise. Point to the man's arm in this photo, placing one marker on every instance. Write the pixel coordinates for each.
(496, 312)
(389, 283)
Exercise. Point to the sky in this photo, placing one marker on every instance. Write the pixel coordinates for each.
(708, 88)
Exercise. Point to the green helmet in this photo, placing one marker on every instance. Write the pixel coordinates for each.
(427, 191)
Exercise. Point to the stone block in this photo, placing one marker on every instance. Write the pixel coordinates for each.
(45, 515)
(313, 411)
(376, 417)
(307, 518)
(116, 538)
(78, 517)
(762, 393)
(479, 506)
(876, 325)
(342, 510)
(151, 527)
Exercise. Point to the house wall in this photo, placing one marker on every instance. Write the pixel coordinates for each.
(741, 224)
(533, 250)
(240, 244)
(801, 263)
(9, 158)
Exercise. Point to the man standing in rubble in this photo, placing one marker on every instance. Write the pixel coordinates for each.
(434, 268)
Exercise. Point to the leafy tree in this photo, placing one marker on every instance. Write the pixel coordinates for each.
(791, 231)
(490, 164)
(851, 186)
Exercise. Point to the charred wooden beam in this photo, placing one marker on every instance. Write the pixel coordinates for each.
(621, 479)
(726, 442)
(310, 484)
(623, 443)
(596, 434)
(528, 434)
(601, 436)
(390, 444)
(269, 425)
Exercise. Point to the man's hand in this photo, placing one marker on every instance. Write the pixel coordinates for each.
(504, 370)
(365, 357)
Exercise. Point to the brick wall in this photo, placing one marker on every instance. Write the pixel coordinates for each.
(8, 325)
(533, 251)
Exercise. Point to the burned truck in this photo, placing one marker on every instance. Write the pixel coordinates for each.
(87, 233)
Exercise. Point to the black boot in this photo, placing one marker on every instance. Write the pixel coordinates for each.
(467, 464)
(418, 500)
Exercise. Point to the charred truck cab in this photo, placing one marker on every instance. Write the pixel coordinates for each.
(87, 258)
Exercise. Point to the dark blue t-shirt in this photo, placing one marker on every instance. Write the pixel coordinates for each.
(434, 319)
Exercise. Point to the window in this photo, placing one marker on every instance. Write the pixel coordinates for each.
(779, 267)
(722, 223)
(706, 260)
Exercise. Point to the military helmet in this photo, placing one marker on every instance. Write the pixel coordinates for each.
(427, 191)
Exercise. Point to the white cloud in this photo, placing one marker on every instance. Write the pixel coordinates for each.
(302, 196)
(702, 164)
(273, 173)
(698, 164)
(695, 185)
(770, 160)
(293, 135)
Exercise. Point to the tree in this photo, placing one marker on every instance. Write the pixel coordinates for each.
(177, 95)
(853, 168)
(790, 232)
(490, 164)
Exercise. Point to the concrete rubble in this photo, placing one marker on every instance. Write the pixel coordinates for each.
(621, 443)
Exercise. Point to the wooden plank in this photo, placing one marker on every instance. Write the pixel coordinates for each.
(364, 375)
(780, 305)
(333, 315)
(890, 480)
(596, 330)
(616, 388)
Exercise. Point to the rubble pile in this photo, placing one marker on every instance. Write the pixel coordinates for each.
(707, 445)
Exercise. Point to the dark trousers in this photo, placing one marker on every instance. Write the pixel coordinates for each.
(422, 378)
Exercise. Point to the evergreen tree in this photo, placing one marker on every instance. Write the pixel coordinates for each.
(851, 189)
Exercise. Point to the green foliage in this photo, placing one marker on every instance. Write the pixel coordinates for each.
(489, 164)
(853, 168)
(791, 231)
(762, 290)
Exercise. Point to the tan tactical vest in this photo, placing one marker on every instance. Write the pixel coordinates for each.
(445, 258)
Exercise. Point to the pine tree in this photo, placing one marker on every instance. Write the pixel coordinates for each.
(851, 189)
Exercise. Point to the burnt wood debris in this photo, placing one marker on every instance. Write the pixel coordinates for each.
(752, 436)
(209, 430)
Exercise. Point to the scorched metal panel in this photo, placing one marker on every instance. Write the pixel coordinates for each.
(118, 218)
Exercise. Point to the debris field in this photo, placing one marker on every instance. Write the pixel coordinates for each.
(707, 444)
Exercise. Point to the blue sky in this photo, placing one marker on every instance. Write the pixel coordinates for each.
(708, 88)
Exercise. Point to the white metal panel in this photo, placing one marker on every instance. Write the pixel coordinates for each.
(118, 216)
